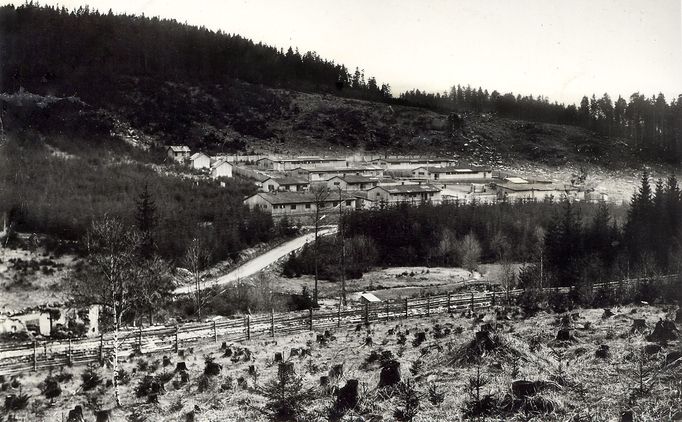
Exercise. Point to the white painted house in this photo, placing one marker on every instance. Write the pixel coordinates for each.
(199, 160)
(221, 169)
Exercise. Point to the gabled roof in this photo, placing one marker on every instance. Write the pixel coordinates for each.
(197, 155)
(523, 187)
(284, 198)
(342, 169)
(220, 163)
(454, 169)
(287, 181)
(179, 148)
(398, 189)
(353, 179)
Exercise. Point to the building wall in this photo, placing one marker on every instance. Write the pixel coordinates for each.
(202, 162)
(223, 170)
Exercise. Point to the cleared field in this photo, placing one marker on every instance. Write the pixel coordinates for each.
(574, 378)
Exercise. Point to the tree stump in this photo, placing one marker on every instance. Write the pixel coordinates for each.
(563, 334)
(252, 369)
(336, 371)
(75, 415)
(607, 313)
(390, 373)
(638, 325)
(153, 398)
(663, 331)
(347, 396)
(369, 341)
(166, 361)
(523, 389)
(102, 415)
(223, 346)
(212, 369)
(278, 357)
(602, 352)
(627, 416)
(241, 383)
(652, 348)
(324, 381)
(294, 351)
(180, 366)
(419, 338)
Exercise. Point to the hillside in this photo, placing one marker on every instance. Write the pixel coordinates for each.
(162, 82)
(240, 117)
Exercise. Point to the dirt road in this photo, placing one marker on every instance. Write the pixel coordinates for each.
(260, 262)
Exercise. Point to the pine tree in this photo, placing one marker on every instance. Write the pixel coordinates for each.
(146, 221)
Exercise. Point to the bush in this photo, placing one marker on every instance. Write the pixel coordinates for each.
(91, 379)
(530, 301)
(51, 388)
(15, 402)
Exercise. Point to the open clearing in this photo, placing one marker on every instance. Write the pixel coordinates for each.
(579, 385)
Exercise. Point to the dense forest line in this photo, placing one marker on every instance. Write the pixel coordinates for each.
(562, 243)
(652, 125)
(90, 54)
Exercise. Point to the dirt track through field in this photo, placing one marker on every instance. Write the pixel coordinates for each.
(260, 262)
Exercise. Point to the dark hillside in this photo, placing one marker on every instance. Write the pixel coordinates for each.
(175, 83)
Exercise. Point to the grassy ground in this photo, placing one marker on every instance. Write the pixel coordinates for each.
(29, 279)
(577, 386)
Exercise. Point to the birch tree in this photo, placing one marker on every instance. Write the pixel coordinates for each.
(196, 260)
(110, 276)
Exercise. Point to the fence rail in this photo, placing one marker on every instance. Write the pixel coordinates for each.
(37, 355)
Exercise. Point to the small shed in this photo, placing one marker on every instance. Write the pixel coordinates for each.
(369, 298)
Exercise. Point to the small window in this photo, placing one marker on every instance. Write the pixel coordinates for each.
(307, 206)
(337, 183)
(293, 207)
(336, 203)
(348, 203)
(378, 194)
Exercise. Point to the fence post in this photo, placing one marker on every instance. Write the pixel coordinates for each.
(69, 353)
(493, 303)
(272, 322)
(35, 355)
(248, 327)
(388, 312)
(215, 332)
(366, 313)
(101, 348)
(139, 339)
(177, 338)
(472, 301)
(338, 316)
(448, 302)
(406, 309)
(428, 305)
(310, 318)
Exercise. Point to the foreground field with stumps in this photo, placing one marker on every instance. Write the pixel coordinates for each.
(621, 363)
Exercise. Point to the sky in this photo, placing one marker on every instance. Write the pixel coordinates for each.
(556, 48)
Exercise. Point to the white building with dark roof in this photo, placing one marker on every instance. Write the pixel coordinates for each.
(453, 174)
(281, 204)
(292, 184)
(394, 194)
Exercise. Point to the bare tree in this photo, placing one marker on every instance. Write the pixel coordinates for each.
(196, 260)
(111, 275)
(320, 195)
(155, 286)
(469, 251)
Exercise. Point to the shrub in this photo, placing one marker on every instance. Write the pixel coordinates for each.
(15, 402)
(51, 388)
(287, 397)
(90, 378)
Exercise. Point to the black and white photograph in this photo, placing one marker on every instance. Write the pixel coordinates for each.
(354, 211)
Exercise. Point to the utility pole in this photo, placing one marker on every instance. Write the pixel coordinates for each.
(343, 251)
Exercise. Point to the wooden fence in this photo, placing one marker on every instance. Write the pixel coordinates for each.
(37, 355)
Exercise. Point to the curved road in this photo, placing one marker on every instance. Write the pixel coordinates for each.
(260, 262)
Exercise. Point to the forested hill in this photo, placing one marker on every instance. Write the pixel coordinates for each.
(167, 82)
